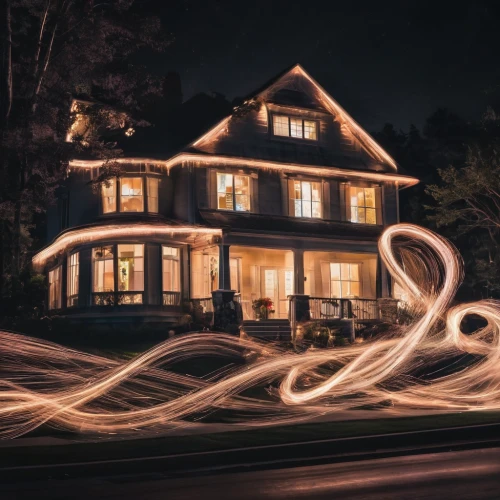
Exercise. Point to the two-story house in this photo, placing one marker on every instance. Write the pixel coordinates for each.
(286, 196)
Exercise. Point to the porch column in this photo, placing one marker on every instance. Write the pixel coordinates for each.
(383, 280)
(298, 271)
(224, 268)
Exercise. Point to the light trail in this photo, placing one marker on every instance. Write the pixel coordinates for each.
(41, 382)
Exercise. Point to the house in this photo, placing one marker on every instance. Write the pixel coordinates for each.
(284, 198)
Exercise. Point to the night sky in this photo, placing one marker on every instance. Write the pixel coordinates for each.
(383, 61)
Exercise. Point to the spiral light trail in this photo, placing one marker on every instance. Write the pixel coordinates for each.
(428, 366)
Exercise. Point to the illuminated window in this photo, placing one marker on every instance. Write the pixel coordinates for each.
(280, 125)
(171, 276)
(233, 192)
(152, 194)
(55, 290)
(132, 199)
(344, 280)
(73, 279)
(306, 199)
(131, 273)
(103, 270)
(109, 196)
(363, 205)
(298, 128)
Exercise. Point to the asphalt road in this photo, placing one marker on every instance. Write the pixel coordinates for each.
(470, 474)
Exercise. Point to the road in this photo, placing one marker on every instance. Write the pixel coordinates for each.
(470, 474)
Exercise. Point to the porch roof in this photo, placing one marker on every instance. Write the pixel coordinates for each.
(274, 224)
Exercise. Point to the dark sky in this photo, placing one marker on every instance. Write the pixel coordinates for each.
(383, 61)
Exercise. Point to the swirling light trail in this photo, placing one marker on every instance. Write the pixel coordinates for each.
(41, 382)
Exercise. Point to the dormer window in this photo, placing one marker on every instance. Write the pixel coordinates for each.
(136, 194)
(297, 128)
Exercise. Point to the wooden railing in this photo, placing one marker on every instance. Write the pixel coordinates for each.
(358, 309)
(116, 298)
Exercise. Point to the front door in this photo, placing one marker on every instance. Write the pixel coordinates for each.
(277, 284)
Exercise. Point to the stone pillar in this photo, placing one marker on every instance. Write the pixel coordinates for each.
(298, 270)
(224, 268)
(228, 315)
(388, 309)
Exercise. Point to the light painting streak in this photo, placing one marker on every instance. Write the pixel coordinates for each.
(42, 382)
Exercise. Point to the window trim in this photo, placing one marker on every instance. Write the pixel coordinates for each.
(115, 293)
(290, 193)
(375, 208)
(145, 193)
(68, 279)
(234, 175)
(60, 298)
(171, 297)
(340, 280)
(290, 136)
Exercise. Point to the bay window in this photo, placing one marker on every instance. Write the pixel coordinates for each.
(131, 273)
(109, 196)
(73, 279)
(55, 289)
(233, 192)
(103, 269)
(305, 199)
(126, 194)
(131, 199)
(171, 285)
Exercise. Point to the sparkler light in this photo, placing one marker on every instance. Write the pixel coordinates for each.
(42, 382)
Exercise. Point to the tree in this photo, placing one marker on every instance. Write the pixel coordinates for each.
(468, 201)
(53, 50)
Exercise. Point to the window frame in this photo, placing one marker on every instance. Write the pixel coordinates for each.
(114, 295)
(294, 137)
(118, 206)
(340, 280)
(171, 297)
(233, 193)
(301, 199)
(376, 209)
(70, 298)
(59, 299)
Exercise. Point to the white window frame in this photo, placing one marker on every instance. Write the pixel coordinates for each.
(349, 281)
(354, 209)
(233, 193)
(73, 279)
(294, 131)
(304, 201)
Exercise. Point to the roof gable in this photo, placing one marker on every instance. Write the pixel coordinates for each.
(295, 88)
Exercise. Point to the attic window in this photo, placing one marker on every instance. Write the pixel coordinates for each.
(287, 126)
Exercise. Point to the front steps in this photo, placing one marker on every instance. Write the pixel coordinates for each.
(269, 329)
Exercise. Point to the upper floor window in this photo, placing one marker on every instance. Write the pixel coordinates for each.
(73, 279)
(55, 288)
(233, 192)
(131, 194)
(287, 126)
(363, 205)
(344, 280)
(306, 199)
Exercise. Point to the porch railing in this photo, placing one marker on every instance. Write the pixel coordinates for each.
(206, 303)
(171, 298)
(357, 309)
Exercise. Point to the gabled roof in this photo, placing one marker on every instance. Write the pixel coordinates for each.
(268, 92)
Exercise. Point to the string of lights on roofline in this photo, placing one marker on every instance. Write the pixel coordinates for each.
(203, 160)
(76, 237)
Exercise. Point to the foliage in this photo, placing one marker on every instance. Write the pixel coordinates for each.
(263, 302)
(54, 51)
(321, 335)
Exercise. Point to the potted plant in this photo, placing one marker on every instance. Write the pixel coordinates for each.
(262, 307)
